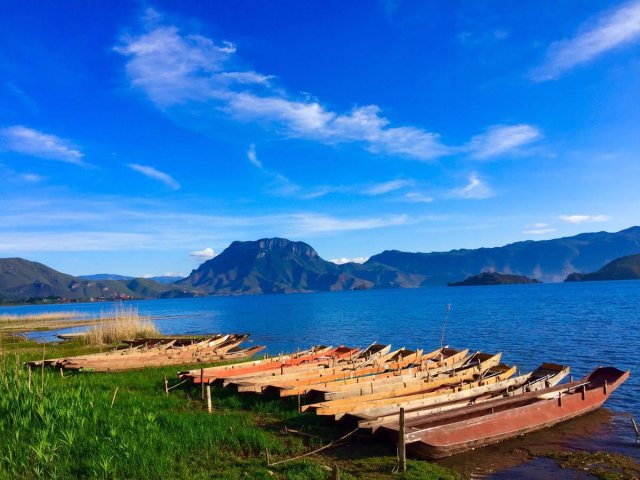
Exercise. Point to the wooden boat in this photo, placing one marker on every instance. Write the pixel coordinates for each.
(352, 366)
(430, 364)
(332, 355)
(155, 352)
(405, 357)
(372, 352)
(448, 361)
(448, 433)
(393, 394)
(545, 376)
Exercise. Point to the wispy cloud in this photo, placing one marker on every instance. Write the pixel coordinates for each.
(155, 174)
(584, 218)
(317, 223)
(173, 67)
(282, 186)
(28, 141)
(31, 225)
(31, 177)
(253, 157)
(203, 255)
(417, 197)
(386, 187)
(610, 30)
(501, 139)
(539, 229)
(476, 189)
(343, 260)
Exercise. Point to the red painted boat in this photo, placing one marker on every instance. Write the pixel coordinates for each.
(467, 428)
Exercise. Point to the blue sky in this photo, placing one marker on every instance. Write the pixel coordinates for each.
(142, 138)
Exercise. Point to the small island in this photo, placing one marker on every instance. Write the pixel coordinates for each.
(623, 268)
(493, 278)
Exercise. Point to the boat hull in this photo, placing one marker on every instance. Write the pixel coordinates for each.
(462, 434)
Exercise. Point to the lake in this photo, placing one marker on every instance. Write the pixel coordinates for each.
(578, 324)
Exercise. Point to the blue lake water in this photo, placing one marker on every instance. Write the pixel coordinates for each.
(579, 324)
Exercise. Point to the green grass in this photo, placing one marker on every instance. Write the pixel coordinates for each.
(66, 428)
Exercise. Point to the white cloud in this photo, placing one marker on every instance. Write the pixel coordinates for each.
(584, 218)
(386, 187)
(475, 188)
(282, 186)
(204, 254)
(173, 68)
(42, 145)
(343, 260)
(32, 177)
(306, 224)
(155, 174)
(253, 157)
(612, 29)
(538, 231)
(418, 197)
(500, 139)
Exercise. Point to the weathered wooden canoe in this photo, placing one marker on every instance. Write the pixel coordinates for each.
(404, 358)
(332, 355)
(448, 433)
(352, 367)
(489, 388)
(141, 353)
(264, 364)
(430, 364)
(409, 391)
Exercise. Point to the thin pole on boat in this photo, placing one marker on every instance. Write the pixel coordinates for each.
(444, 325)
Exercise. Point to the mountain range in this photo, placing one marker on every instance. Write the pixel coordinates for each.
(22, 280)
(278, 265)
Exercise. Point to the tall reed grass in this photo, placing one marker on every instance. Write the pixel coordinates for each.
(124, 323)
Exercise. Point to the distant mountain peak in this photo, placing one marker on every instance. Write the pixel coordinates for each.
(275, 244)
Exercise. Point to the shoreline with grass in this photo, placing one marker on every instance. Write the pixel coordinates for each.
(124, 425)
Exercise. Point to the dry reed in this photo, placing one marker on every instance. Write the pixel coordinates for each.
(123, 324)
(41, 317)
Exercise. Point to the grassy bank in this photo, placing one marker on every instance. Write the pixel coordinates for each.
(68, 428)
(122, 322)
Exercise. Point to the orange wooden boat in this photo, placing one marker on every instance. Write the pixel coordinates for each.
(331, 355)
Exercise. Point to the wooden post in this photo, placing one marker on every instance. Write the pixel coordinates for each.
(202, 384)
(606, 385)
(209, 398)
(166, 386)
(299, 404)
(336, 472)
(402, 449)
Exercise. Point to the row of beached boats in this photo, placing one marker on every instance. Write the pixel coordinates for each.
(157, 352)
(441, 402)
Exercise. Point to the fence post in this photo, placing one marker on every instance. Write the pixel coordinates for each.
(402, 450)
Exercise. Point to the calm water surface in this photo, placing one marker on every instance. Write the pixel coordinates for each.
(579, 324)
